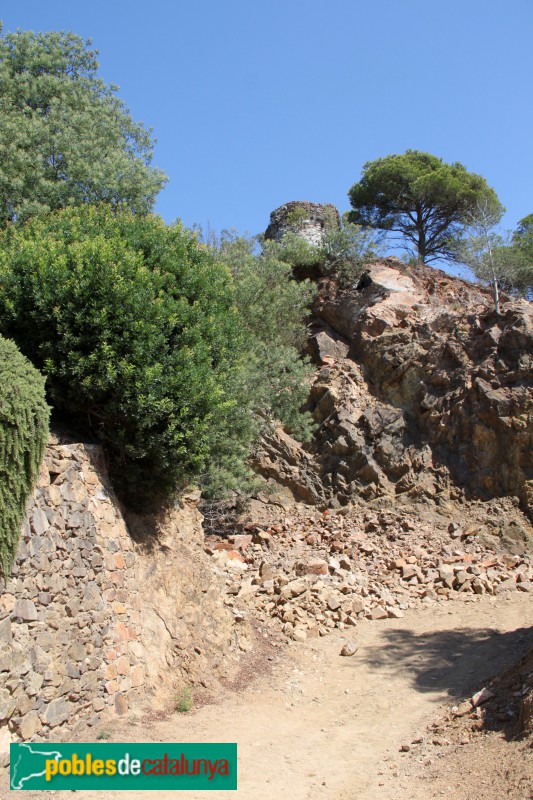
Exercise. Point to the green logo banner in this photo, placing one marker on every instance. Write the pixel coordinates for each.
(115, 765)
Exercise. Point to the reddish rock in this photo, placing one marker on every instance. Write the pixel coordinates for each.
(121, 632)
(242, 542)
(315, 567)
(233, 555)
(378, 612)
(119, 561)
(122, 665)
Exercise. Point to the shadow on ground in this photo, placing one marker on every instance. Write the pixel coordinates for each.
(457, 662)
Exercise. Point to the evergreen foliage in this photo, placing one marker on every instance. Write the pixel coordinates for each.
(522, 255)
(344, 252)
(137, 329)
(65, 137)
(23, 435)
(348, 250)
(273, 307)
(498, 259)
(421, 198)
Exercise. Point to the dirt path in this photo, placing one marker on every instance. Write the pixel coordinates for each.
(323, 726)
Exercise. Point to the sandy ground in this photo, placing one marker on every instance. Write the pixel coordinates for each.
(318, 725)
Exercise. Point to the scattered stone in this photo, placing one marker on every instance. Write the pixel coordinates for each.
(394, 613)
(333, 603)
(481, 697)
(349, 649)
(266, 571)
(462, 709)
(299, 635)
(409, 571)
(315, 567)
(358, 605)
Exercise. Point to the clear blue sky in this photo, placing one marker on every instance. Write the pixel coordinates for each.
(256, 103)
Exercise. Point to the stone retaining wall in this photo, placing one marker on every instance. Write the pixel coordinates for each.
(90, 622)
(70, 611)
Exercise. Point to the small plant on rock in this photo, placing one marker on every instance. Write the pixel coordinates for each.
(184, 701)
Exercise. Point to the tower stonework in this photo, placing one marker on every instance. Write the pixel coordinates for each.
(308, 220)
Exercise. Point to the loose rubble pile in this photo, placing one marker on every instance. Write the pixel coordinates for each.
(316, 572)
(503, 705)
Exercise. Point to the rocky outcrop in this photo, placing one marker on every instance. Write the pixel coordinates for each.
(93, 622)
(284, 460)
(422, 392)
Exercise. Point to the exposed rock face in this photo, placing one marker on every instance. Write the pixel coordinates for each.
(286, 461)
(187, 633)
(92, 622)
(422, 391)
(309, 220)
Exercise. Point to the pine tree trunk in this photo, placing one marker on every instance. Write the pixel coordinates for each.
(496, 294)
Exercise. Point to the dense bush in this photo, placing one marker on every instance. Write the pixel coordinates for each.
(344, 253)
(273, 307)
(348, 250)
(522, 255)
(136, 327)
(23, 434)
(295, 250)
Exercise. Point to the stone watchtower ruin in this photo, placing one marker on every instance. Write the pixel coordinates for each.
(308, 220)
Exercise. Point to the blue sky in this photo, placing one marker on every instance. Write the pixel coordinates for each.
(257, 103)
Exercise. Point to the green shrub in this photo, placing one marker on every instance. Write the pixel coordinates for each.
(343, 253)
(348, 250)
(294, 249)
(273, 308)
(23, 435)
(184, 700)
(136, 327)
